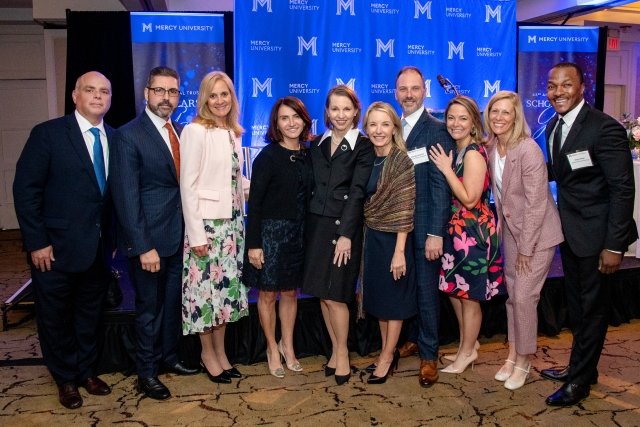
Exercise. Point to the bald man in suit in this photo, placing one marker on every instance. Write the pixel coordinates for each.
(62, 204)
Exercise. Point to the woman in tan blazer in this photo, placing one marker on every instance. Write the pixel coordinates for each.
(529, 224)
(212, 189)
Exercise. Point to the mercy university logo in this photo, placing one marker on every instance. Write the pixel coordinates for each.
(492, 13)
(261, 86)
(263, 3)
(147, 27)
(458, 49)
(420, 9)
(306, 45)
(344, 5)
(385, 47)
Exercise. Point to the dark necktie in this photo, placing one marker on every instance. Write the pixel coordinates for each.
(98, 160)
(175, 147)
(557, 141)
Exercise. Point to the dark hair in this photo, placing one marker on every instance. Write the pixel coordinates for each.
(409, 68)
(274, 134)
(477, 130)
(346, 91)
(571, 65)
(162, 71)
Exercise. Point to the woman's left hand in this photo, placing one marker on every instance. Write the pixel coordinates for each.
(398, 265)
(342, 253)
(523, 265)
(440, 158)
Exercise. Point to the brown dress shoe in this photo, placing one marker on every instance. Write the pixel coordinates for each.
(69, 396)
(95, 385)
(428, 372)
(408, 349)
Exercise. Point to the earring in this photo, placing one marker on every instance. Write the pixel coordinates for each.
(473, 131)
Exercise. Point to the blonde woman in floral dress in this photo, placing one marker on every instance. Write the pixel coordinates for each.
(211, 186)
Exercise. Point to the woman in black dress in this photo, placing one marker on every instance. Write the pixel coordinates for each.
(342, 159)
(280, 183)
(388, 282)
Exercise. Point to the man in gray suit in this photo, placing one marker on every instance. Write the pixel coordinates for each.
(146, 194)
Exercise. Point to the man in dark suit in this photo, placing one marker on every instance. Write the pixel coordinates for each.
(61, 202)
(589, 160)
(146, 155)
(433, 211)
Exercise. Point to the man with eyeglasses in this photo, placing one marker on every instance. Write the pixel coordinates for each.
(62, 204)
(146, 192)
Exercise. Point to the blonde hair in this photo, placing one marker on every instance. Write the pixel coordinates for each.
(205, 117)
(520, 128)
(397, 141)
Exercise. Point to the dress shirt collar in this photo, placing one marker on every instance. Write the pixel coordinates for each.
(85, 124)
(570, 116)
(351, 137)
(412, 118)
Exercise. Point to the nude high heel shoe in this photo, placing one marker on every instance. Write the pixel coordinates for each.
(452, 357)
(294, 365)
(466, 361)
(278, 372)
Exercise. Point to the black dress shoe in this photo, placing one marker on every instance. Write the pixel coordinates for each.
(180, 369)
(69, 395)
(153, 388)
(341, 379)
(233, 373)
(568, 395)
(96, 386)
(560, 375)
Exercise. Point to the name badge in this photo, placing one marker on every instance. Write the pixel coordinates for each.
(419, 155)
(579, 160)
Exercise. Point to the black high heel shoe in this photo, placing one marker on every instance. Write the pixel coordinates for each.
(233, 372)
(341, 379)
(392, 367)
(328, 371)
(221, 378)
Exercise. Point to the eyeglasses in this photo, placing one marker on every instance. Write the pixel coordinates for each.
(160, 91)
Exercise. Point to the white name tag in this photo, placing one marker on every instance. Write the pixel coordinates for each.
(579, 160)
(419, 155)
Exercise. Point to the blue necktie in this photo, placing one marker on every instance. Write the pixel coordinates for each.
(98, 160)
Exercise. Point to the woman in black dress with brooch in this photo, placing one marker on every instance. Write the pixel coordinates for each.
(280, 183)
(388, 282)
(342, 159)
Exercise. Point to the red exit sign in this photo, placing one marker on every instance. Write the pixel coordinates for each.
(613, 43)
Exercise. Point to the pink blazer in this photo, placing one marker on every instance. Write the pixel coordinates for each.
(205, 177)
(526, 207)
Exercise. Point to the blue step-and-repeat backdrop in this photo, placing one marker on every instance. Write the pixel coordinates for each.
(304, 47)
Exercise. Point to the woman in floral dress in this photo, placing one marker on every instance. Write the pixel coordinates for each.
(212, 190)
(471, 265)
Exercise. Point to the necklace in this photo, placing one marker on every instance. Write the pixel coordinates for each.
(378, 164)
(333, 140)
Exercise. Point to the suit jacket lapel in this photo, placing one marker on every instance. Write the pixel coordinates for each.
(158, 141)
(80, 147)
(422, 122)
(509, 164)
(571, 140)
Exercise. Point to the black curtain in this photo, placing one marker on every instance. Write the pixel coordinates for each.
(101, 41)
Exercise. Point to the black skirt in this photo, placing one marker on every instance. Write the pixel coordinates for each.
(322, 278)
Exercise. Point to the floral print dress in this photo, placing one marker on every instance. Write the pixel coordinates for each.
(472, 264)
(212, 289)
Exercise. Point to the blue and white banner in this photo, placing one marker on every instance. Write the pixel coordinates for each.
(539, 49)
(304, 47)
(190, 43)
